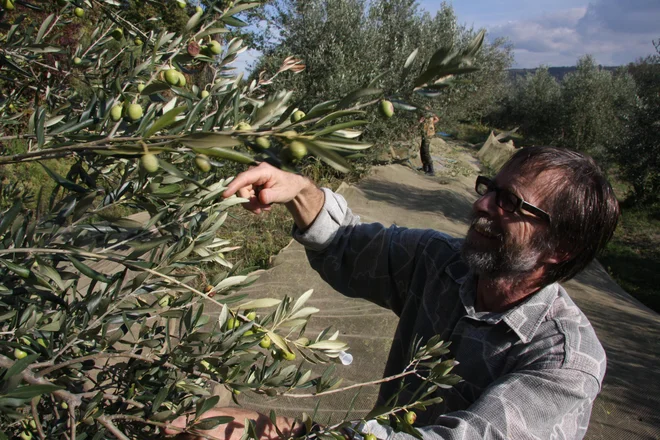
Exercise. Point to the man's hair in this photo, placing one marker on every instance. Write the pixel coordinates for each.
(583, 208)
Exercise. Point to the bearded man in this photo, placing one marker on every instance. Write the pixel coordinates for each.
(530, 360)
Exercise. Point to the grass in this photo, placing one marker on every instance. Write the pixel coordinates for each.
(259, 236)
(30, 177)
(632, 258)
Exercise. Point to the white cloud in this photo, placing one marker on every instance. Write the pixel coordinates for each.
(245, 61)
(629, 17)
(612, 31)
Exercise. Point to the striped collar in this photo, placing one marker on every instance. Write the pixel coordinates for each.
(524, 319)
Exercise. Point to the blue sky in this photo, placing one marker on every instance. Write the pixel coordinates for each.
(558, 32)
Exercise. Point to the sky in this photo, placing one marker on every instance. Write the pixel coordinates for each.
(558, 32)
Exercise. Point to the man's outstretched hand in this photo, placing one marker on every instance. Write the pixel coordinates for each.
(235, 429)
(264, 185)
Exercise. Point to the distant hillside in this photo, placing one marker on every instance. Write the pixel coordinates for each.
(557, 72)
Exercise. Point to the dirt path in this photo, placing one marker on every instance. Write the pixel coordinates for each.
(629, 405)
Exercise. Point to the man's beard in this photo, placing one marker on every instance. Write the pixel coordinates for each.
(506, 258)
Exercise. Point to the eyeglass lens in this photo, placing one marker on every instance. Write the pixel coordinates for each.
(505, 199)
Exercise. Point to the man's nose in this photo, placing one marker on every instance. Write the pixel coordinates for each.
(486, 203)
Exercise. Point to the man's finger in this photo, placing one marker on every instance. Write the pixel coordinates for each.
(256, 176)
(247, 192)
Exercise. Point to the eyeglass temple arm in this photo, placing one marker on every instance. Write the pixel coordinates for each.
(537, 211)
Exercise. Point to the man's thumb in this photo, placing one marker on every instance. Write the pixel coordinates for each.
(267, 196)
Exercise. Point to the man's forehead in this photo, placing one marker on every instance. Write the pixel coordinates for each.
(529, 184)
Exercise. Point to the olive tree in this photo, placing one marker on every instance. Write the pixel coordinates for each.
(595, 104)
(347, 43)
(110, 325)
(536, 105)
(639, 156)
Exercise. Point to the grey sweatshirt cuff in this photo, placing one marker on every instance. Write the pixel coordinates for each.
(334, 214)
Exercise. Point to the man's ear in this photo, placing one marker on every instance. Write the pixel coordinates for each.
(557, 256)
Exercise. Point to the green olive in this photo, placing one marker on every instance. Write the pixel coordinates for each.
(19, 354)
(115, 112)
(297, 116)
(298, 149)
(263, 142)
(117, 34)
(215, 47)
(410, 417)
(172, 77)
(149, 163)
(386, 108)
(202, 163)
(265, 342)
(79, 12)
(233, 323)
(134, 112)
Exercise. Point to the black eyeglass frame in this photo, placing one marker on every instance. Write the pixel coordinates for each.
(520, 204)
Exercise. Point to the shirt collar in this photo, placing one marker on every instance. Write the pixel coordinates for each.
(524, 319)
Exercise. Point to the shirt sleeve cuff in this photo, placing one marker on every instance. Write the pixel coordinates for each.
(334, 214)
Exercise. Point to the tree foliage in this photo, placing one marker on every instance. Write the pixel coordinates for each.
(349, 42)
(595, 104)
(536, 106)
(589, 110)
(639, 157)
(110, 325)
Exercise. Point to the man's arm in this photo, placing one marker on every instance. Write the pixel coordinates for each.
(234, 430)
(264, 185)
(360, 260)
(525, 405)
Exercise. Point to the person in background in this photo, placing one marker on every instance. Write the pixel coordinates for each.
(428, 132)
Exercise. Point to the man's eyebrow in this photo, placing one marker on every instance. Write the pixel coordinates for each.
(513, 187)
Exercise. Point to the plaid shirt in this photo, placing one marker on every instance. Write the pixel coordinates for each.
(531, 372)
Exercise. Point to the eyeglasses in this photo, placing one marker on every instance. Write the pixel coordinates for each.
(507, 200)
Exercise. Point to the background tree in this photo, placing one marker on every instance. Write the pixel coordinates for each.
(594, 104)
(639, 156)
(536, 106)
(110, 326)
(349, 42)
